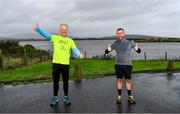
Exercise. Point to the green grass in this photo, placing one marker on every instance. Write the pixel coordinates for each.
(10, 62)
(91, 67)
(153, 65)
(139, 65)
(29, 72)
(88, 67)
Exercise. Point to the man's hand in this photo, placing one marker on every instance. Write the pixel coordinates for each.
(109, 48)
(138, 50)
(81, 56)
(34, 26)
(136, 47)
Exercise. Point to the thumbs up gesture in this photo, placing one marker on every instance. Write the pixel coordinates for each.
(81, 56)
(136, 47)
(109, 48)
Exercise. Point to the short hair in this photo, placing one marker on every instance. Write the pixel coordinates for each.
(64, 25)
(120, 29)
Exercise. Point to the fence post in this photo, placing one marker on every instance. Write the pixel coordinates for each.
(166, 56)
(85, 54)
(170, 65)
(1, 60)
(145, 56)
(25, 58)
(77, 72)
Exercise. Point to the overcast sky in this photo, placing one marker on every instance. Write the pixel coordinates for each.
(91, 18)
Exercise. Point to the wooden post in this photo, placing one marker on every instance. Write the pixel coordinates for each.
(170, 65)
(145, 56)
(85, 55)
(77, 72)
(1, 60)
(165, 56)
(25, 58)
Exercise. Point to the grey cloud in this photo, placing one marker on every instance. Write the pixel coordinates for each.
(92, 18)
(94, 5)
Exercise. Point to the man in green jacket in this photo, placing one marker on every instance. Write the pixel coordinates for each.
(62, 46)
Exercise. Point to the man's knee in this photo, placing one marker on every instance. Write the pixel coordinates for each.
(119, 80)
(128, 81)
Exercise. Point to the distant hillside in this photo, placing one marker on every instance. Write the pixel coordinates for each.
(131, 36)
(139, 38)
(135, 36)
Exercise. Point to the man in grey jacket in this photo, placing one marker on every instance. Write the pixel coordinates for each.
(123, 65)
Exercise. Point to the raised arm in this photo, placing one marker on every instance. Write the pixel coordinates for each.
(45, 34)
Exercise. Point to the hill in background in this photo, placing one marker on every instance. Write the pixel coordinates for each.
(140, 38)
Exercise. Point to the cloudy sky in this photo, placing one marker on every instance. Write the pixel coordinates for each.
(91, 18)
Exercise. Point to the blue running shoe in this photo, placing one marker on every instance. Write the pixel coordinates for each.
(54, 101)
(67, 100)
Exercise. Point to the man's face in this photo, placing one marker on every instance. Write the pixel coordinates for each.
(63, 30)
(120, 34)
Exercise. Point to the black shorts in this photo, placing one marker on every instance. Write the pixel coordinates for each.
(123, 71)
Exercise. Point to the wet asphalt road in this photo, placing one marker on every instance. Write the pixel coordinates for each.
(153, 93)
